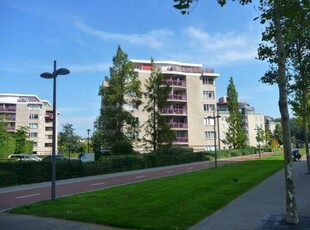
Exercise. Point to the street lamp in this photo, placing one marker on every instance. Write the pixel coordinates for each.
(214, 118)
(88, 130)
(46, 75)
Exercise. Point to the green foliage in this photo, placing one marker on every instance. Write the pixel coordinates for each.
(68, 141)
(7, 142)
(158, 132)
(22, 144)
(27, 172)
(97, 143)
(121, 89)
(278, 134)
(122, 147)
(235, 135)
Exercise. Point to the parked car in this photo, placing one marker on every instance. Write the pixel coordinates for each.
(57, 157)
(24, 157)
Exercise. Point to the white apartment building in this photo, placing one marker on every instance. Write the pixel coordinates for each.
(32, 112)
(191, 101)
(252, 121)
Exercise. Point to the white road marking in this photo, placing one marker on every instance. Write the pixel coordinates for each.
(96, 184)
(169, 171)
(30, 195)
(137, 177)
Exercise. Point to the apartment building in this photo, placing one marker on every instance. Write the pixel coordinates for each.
(252, 121)
(32, 112)
(191, 101)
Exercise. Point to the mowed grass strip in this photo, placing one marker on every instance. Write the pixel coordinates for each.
(175, 202)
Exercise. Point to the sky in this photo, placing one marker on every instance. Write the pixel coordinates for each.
(83, 36)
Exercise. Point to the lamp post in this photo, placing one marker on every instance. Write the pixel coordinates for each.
(88, 130)
(215, 152)
(46, 75)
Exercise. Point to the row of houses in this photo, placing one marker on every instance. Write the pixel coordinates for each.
(192, 112)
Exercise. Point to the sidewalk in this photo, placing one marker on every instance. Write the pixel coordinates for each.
(244, 213)
(248, 211)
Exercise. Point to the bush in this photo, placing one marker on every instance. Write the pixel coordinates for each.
(173, 151)
(122, 147)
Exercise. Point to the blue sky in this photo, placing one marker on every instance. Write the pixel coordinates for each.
(83, 36)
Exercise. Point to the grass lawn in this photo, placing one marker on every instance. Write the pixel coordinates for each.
(175, 202)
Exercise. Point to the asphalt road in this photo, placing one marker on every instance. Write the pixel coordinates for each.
(11, 197)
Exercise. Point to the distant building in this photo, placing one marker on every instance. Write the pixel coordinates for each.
(252, 121)
(32, 112)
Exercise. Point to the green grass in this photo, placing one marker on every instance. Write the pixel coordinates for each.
(175, 202)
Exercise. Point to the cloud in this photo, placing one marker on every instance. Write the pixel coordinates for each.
(154, 38)
(89, 68)
(222, 48)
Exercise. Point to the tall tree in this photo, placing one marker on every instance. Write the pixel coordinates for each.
(121, 94)
(274, 13)
(235, 135)
(158, 132)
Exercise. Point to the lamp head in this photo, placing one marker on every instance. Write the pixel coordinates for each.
(46, 75)
(62, 71)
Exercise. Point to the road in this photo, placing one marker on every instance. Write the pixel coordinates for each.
(11, 197)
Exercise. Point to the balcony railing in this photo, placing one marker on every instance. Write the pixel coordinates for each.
(178, 125)
(177, 97)
(173, 111)
(13, 109)
(181, 139)
(174, 82)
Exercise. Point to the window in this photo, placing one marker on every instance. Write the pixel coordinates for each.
(33, 135)
(209, 107)
(33, 116)
(209, 135)
(33, 125)
(208, 94)
(208, 121)
(207, 81)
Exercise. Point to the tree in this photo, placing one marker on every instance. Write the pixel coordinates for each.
(260, 137)
(7, 141)
(68, 141)
(158, 132)
(235, 135)
(278, 134)
(22, 144)
(121, 94)
(299, 64)
(274, 12)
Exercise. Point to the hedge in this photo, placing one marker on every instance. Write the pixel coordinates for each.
(23, 172)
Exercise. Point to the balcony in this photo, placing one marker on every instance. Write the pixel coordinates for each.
(177, 97)
(181, 139)
(178, 125)
(174, 111)
(173, 82)
(9, 109)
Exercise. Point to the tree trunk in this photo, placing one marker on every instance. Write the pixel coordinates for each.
(291, 207)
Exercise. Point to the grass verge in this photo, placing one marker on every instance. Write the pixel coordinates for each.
(175, 202)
